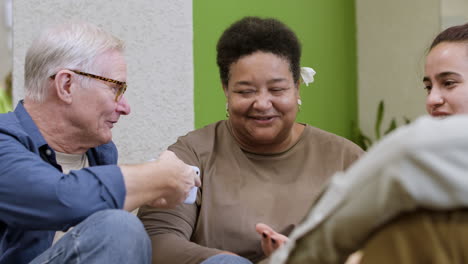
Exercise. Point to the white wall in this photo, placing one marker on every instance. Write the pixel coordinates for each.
(159, 37)
(454, 12)
(392, 40)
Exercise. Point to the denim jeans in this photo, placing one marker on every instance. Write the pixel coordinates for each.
(109, 236)
(226, 259)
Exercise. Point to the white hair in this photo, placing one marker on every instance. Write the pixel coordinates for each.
(67, 46)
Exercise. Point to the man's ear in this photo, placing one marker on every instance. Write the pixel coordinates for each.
(63, 86)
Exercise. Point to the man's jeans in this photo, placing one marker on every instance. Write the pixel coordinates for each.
(226, 259)
(109, 236)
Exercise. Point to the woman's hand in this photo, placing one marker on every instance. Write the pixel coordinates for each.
(271, 240)
(354, 258)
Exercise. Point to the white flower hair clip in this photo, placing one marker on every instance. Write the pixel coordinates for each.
(307, 75)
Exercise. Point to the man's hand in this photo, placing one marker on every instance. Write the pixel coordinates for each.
(179, 179)
(165, 182)
(271, 240)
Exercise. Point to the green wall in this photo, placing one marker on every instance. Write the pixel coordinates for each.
(327, 32)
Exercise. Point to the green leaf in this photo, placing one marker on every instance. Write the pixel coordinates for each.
(407, 120)
(360, 138)
(393, 126)
(366, 142)
(379, 118)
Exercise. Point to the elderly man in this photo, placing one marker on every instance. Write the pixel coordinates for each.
(58, 163)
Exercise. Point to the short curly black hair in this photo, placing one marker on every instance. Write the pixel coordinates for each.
(252, 34)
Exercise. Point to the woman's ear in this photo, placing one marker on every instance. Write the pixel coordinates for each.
(225, 90)
(298, 84)
(63, 86)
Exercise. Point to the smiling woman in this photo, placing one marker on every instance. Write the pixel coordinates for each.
(255, 166)
(262, 103)
(446, 73)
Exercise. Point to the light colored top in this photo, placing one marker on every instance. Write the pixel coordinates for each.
(69, 162)
(423, 165)
(240, 189)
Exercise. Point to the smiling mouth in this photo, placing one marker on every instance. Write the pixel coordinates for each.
(111, 123)
(262, 117)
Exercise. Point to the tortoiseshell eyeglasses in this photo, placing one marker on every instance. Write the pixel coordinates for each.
(119, 91)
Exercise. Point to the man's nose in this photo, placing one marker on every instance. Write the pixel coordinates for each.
(123, 107)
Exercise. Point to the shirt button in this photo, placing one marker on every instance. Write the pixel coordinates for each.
(48, 152)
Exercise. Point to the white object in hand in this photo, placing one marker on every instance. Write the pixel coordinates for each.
(193, 192)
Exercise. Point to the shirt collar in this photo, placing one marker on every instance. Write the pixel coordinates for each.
(29, 126)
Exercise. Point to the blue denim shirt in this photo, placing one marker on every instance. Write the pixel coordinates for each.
(37, 199)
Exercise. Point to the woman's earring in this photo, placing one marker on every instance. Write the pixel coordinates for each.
(227, 110)
(299, 103)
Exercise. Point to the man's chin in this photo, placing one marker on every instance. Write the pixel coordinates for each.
(106, 138)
